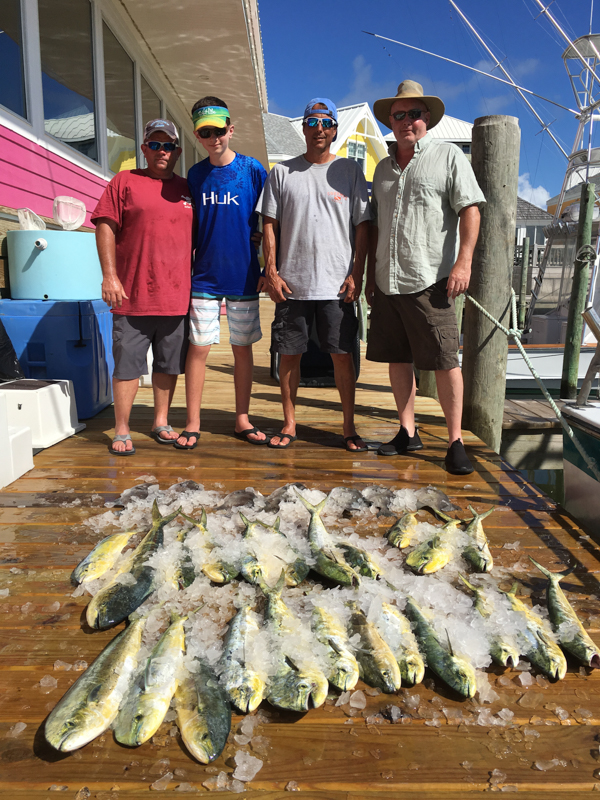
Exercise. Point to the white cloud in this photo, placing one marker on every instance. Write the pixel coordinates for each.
(363, 88)
(537, 195)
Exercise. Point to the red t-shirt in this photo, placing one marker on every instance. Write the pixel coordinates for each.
(153, 241)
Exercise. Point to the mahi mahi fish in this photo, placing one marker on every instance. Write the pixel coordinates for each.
(433, 554)
(453, 670)
(477, 552)
(293, 686)
(90, 706)
(149, 698)
(330, 560)
(403, 644)
(116, 601)
(330, 631)
(184, 573)
(503, 649)
(203, 713)
(402, 531)
(571, 634)
(215, 569)
(539, 646)
(377, 663)
(102, 558)
(255, 571)
(244, 686)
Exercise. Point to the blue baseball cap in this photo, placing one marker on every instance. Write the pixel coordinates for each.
(330, 109)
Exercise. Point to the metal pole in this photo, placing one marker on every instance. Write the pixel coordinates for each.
(495, 160)
(524, 283)
(581, 277)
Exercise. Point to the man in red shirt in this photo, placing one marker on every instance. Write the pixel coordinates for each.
(144, 237)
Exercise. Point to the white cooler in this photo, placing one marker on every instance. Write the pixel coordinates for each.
(16, 452)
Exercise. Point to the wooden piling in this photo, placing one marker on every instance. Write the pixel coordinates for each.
(524, 277)
(495, 160)
(581, 277)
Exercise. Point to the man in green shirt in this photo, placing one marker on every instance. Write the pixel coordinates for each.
(424, 229)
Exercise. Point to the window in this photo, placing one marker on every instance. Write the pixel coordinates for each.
(12, 91)
(357, 151)
(120, 104)
(466, 148)
(67, 73)
(150, 103)
(179, 165)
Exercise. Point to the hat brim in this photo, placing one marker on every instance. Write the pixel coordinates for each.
(382, 108)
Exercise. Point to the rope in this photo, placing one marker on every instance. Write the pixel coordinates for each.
(515, 333)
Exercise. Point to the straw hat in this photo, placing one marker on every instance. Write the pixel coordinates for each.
(409, 90)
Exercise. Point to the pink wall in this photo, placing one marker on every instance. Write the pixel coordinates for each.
(31, 177)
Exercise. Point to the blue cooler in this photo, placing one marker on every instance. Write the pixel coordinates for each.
(65, 339)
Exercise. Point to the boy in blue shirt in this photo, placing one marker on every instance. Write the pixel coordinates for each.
(225, 188)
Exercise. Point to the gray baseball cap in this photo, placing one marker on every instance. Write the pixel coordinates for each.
(164, 125)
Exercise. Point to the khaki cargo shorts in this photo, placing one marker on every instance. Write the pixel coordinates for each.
(417, 328)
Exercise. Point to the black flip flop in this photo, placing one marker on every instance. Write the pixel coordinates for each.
(155, 434)
(243, 435)
(187, 435)
(356, 438)
(280, 446)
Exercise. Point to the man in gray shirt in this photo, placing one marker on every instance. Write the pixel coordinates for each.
(319, 205)
(425, 226)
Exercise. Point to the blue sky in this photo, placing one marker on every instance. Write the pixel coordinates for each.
(315, 47)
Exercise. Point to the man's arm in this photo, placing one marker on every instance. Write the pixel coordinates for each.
(112, 289)
(468, 229)
(353, 283)
(370, 284)
(274, 284)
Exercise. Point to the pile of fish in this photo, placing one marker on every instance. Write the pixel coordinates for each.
(275, 602)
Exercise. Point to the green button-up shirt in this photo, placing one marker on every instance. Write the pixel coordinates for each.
(416, 211)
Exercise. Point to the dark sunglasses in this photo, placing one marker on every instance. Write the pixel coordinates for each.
(326, 123)
(168, 147)
(414, 113)
(206, 133)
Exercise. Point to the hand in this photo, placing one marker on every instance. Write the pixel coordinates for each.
(276, 286)
(262, 284)
(256, 239)
(352, 286)
(458, 280)
(113, 293)
(369, 292)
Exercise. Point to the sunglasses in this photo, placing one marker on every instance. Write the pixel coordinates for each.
(207, 133)
(326, 123)
(168, 147)
(414, 113)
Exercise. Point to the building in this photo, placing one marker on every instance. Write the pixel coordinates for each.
(282, 138)
(81, 77)
(449, 129)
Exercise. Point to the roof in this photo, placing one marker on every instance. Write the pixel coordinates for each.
(450, 129)
(528, 212)
(349, 117)
(281, 137)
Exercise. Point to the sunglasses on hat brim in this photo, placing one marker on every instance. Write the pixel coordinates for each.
(414, 113)
(207, 132)
(326, 122)
(168, 147)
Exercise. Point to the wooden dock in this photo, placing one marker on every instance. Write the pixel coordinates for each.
(329, 754)
(531, 434)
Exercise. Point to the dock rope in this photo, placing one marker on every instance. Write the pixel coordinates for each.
(515, 334)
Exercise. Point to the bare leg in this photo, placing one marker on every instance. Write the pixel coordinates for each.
(242, 380)
(195, 372)
(124, 393)
(450, 391)
(289, 380)
(163, 388)
(345, 381)
(404, 387)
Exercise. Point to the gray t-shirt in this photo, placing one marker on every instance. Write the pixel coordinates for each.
(317, 207)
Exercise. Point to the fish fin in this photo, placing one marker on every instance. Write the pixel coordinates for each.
(292, 664)
(313, 509)
(169, 518)
(276, 525)
(513, 589)
(334, 646)
(244, 519)
(449, 643)
(93, 695)
(557, 576)
(439, 514)
(390, 585)
(203, 517)
(467, 584)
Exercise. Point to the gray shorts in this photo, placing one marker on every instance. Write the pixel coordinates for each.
(417, 328)
(132, 336)
(335, 321)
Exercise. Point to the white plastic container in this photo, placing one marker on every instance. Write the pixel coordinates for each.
(16, 448)
(47, 407)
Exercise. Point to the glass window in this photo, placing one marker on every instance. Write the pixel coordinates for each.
(357, 151)
(150, 103)
(190, 155)
(120, 104)
(178, 166)
(67, 73)
(12, 91)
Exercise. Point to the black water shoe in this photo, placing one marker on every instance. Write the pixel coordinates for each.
(456, 461)
(401, 443)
